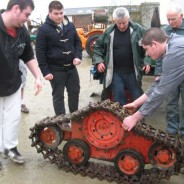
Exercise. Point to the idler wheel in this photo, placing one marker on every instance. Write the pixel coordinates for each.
(129, 162)
(162, 156)
(51, 136)
(76, 152)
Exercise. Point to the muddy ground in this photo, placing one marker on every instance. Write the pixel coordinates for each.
(40, 171)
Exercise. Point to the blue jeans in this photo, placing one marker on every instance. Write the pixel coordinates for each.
(175, 124)
(122, 81)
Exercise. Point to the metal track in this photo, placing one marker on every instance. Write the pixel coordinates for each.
(103, 171)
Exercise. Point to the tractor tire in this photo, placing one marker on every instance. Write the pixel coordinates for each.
(89, 43)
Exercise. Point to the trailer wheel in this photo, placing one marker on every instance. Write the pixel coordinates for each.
(162, 156)
(89, 43)
(51, 136)
(129, 162)
(76, 151)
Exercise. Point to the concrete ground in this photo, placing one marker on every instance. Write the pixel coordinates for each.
(40, 171)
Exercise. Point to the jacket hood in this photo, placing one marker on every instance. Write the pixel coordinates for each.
(51, 22)
(1, 21)
(2, 10)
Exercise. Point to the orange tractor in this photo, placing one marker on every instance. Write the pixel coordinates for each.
(144, 155)
(90, 33)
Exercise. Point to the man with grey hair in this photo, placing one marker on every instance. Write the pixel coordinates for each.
(119, 57)
(59, 51)
(174, 124)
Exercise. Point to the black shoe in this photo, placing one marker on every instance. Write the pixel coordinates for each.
(24, 108)
(15, 155)
(182, 170)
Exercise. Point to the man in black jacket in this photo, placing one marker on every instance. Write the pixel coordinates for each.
(14, 45)
(59, 50)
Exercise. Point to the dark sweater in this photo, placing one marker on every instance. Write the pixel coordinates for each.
(11, 50)
(122, 51)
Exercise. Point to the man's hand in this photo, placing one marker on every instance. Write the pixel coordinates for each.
(76, 61)
(101, 67)
(146, 68)
(131, 107)
(130, 121)
(49, 77)
(38, 86)
(157, 77)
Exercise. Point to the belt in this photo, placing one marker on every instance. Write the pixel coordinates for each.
(67, 52)
(67, 64)
(67, 67)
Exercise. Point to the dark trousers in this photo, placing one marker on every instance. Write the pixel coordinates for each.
(68, 78)
(122, 81)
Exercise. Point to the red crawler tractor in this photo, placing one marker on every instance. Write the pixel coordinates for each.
(96, 132)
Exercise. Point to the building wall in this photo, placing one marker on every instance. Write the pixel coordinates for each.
(179, 2)
(141, 14)
(147, 10)
(81, 20)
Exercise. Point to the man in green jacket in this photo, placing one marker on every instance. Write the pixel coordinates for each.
(119, 56)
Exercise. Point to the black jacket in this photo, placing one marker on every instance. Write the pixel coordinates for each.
(55, 47)
(11, 50)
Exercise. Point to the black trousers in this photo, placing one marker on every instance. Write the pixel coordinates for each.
(68, 78)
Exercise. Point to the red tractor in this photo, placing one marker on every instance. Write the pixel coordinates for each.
(96, 132)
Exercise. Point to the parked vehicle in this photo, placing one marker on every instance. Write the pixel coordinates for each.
(95, 133)
(90, 33)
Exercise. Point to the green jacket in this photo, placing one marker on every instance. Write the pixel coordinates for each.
(103, 51)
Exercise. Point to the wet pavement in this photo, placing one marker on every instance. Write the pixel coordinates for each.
(40, 171)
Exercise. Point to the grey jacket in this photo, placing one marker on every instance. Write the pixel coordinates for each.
(169, 31)
(172, 75)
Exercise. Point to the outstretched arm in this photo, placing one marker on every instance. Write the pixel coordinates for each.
(132, 107)
(130, 121)
(33, 67)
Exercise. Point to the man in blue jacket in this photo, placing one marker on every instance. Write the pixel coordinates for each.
(59, 50)
(14, 45)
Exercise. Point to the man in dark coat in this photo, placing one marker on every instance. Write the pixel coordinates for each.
(59, 50)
